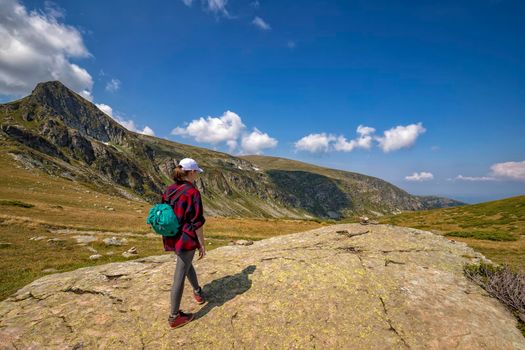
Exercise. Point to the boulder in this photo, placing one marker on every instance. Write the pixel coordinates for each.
(385, 287)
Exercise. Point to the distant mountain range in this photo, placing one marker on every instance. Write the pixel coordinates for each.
(65, 135)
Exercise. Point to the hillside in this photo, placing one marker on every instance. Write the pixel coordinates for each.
(361, 190)
(60, 132)
(495, 228)
(341, 286)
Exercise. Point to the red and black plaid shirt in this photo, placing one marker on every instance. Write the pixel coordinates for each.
(189, 212)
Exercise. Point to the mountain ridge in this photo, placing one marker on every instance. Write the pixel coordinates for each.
(69, 136)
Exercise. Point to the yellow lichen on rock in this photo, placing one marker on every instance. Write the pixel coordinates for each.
(384, 288)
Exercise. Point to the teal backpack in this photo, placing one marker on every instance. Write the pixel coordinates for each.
(162, 218)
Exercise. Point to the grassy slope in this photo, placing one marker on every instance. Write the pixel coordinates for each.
(62, 204)
(496, 228)
(362, 187)
(268, 163)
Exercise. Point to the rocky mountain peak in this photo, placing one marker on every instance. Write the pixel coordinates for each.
(56, 100)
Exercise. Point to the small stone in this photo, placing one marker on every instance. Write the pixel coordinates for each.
(131, 252)
(50, 270)
(91, 249)
(111, 209)
(85, 239)
(363, 220)
(243, 242)
(95, 257)
(115, 241)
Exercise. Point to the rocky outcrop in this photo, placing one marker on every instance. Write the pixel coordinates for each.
(343, 286)
(33, 141)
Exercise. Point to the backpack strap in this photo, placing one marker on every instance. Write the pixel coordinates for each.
(172, 200)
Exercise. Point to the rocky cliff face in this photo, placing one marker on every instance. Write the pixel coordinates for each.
(342, 286)
(65, 135)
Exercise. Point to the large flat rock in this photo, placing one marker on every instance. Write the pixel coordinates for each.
(388, 288)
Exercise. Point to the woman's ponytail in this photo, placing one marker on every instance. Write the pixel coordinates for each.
(178, 173)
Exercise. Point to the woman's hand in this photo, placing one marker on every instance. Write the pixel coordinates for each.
(202, 251)
(202, 247)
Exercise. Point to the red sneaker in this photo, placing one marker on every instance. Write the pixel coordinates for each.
(181, 319)
(199, 297)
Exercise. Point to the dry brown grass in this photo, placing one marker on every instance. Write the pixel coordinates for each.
(62, 204)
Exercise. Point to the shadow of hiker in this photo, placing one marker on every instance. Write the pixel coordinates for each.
(226, 288)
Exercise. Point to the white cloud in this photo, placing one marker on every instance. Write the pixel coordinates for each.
(363, 141)
(343, 145)
(315, 143)
(147, 131)
(400, 137)
(105, 108)
(291, 44)
(187, 2)
(54, 10)
(256, 141)
(499, 172)
(113, 85)
(365, 130)
(127, 123)
(509, 170)
(422, 176)
(232, 145)
(474, 178)
(260, 23)
(36, 47)
(228, 129)
(217, 6)
(213, 130)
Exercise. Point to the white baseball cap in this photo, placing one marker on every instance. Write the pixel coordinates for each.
(190, 164)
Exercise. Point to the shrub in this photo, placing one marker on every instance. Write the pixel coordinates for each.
(502, 283)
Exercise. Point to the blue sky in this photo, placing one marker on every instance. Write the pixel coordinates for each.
(437, 89)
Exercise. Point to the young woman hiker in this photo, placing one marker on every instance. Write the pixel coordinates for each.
(188, 209)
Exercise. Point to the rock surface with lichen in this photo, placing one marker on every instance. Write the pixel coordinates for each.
(342, 286)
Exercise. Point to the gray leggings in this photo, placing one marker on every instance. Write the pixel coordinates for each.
(183, 268)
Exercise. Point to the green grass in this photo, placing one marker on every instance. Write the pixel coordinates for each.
(489, 235)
